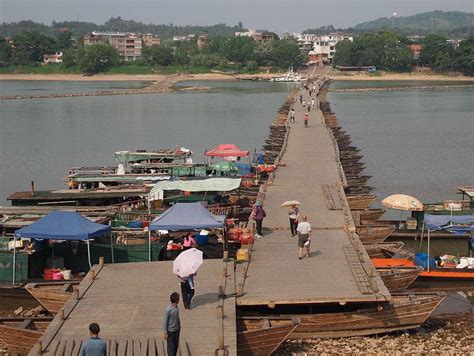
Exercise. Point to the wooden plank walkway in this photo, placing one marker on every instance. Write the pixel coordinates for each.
(128, 301)
(334, 272)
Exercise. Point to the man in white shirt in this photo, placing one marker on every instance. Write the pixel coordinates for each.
(304, 236)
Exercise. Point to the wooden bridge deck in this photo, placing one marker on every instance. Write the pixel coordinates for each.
(339, 269)
(128, 301)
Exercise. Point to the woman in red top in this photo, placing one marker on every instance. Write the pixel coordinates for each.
(306, 118)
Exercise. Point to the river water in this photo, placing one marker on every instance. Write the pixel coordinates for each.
(40, 139)
(416, 141)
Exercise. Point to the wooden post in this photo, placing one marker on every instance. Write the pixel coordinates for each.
(220, 312)
(101, 261)
(226, 255)
(221, 343)
(76, 294)
(221, 291)
(240, 289)
(61, 314)
(92, 274)
(39, 348)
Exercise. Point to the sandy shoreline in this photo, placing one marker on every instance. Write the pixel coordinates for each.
(174, 78)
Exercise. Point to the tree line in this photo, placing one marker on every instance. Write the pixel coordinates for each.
(389, 51)
(220, 52)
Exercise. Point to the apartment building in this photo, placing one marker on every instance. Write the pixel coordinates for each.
(257, 36)
(129, 45)
(321, 49)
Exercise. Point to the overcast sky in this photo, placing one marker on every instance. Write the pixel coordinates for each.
(276, 15)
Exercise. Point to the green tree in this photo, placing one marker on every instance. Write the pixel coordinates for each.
(432, 46)
(344, 54)
(286, 53)
(69, 58)
(397, 59)
(158, 55)
(264, 53)
(30, 47)
(99, 57)
(206, 60)
(239, 49)
(5, 53)
(464, 55)
(183, 52)
(64, 40)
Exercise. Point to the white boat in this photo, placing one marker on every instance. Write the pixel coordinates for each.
(290, 76)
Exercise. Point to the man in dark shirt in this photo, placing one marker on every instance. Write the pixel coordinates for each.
(95, 346)
(171, 325)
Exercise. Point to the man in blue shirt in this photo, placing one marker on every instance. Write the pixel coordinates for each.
(95, 346)
(172, 325)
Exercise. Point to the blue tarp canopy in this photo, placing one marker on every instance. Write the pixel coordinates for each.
(454, 222)
(187, 216)
(63, 225)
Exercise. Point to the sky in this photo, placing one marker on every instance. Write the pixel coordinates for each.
(275, 15)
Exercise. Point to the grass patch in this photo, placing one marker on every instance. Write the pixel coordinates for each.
(52, 68)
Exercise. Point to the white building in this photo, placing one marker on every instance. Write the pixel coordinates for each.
(321, 49)
(56, 57)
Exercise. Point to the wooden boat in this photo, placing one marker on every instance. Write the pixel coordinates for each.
(367, 216)
(435, 274)
(20, 334)
(404, 311)
(362, 190)
(384, 249)
(357, 201)
(260, 338)
(52, 295)
(374, 233)
(397, 279)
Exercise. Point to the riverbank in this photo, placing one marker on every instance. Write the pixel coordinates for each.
(385, 76)
(174, 78)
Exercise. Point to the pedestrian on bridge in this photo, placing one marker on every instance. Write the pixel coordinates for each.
(304, 237)
(172, 325)
(306, 119)
(292, 115)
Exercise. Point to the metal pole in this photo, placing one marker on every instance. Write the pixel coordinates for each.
(112, 246)
(14, 260)
(428, 261)
(422, 233)
(149, 230)
(89, 253)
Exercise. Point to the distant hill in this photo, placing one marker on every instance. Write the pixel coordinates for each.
(453, 23)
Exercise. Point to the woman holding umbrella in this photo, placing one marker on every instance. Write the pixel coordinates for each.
(185, 267)
(293, 214)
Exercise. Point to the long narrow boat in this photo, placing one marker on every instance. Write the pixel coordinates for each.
(404, 311)
(374, 233)
(367, 216)
(435, 274)
(357, 201)
(384, 249)
(52, 295)
(20, 334)
(397, 279)
(261, 338)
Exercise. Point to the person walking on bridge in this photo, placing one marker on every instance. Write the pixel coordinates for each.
(292, 115)
(306, 119)
(304, 237)
(172, 325)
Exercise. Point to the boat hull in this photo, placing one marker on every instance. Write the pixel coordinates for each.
(263, 340)
(360, 201)
(402, 312)
(374, 233)
(52, 296)
(397, 279)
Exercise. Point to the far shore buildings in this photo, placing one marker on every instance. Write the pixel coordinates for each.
(320, 48)
(129, 45)
(56, 57)
(258, 37)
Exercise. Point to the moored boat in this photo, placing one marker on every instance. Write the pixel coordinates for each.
(362, 201)
(384, 249)
(374, 233)
(52, 295)
(404, 311)
(260, 338)
(367, 216)
(397, 279)
(20, 334)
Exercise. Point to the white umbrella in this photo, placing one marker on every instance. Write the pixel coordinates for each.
(290, 203)
(403, 202)
(187, 263)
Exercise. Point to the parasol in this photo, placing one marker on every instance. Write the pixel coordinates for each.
(403, 202)
(187, 263)
(290, 203)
